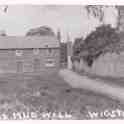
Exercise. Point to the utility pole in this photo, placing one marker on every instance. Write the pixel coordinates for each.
(69, 52)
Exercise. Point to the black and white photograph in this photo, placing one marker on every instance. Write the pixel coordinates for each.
(61, 62)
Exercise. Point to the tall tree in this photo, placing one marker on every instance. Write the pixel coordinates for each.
(103, 39)
(77, 46)
(96, 11)
(120, 16)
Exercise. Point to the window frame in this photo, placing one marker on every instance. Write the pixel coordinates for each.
(19, 52)
(36, 51)
(50, 62)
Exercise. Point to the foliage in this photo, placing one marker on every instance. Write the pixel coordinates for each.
(40, 31)
(104, 36)
(77, 46)
(120, 10)
(103, 39)
(96, 11)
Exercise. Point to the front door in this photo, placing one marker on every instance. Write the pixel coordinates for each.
(36, 65)
(19, 66)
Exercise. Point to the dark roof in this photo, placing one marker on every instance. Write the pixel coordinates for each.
(10, 42)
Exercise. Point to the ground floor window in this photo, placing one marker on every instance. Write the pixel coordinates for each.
(19, 52)
(27, 67)
(50, 63)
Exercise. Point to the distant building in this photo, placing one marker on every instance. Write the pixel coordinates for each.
(29, 54)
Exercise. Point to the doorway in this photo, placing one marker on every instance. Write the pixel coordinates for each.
(19, 66)
(36, 65)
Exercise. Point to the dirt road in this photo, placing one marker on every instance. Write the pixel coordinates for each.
(97, 86)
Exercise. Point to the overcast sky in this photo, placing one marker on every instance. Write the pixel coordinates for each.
(72, 20)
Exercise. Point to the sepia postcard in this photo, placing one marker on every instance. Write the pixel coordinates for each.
(61, 62)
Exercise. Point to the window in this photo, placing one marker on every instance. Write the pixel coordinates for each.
(49, 51)
(36, 51)
(19, 52)
(50, 63)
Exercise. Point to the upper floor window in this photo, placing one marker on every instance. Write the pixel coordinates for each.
(36, 51)
(50, 63)
(19, 52)
(48, 51)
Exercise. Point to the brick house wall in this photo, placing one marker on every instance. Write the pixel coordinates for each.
(20, 58)
(28, 60)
